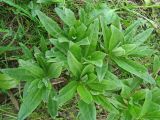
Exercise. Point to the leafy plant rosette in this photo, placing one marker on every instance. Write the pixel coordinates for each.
(89, 47)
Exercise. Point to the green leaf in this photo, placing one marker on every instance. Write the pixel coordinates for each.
(75, 49)
(33, 68)
(74, 65)
(67, 93)
(52, 104)
(43, 44)
(126, 91)
(104, 102)
(129, 48)
(156, 64)
(19, 74)
(132, 27)
(134, 110)
(131, 31)
(50, 25)
(116, 38)
(93, 33)
(141, 51)
(104, 85)
(106, 33)
(66, 15)
(118, 102)
(31, 101)
(61, 47)
(81, 30)
(54, 70)
(113, 79)
(111, 17)
(155, 115)
(96, 58)
(85, 94)
(87, 69)
(27, 52)
(118, 51)
(101, 72)
(87, 111)
(135, 68)
(156, 95)
(142, 37)
(147, 103)
(42, 63)
(6, 82)
(84, 41)
(112, 116)
(139, 95)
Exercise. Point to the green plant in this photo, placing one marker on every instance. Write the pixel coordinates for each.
(87, 49)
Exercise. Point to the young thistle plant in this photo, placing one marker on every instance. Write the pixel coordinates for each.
(89, 48)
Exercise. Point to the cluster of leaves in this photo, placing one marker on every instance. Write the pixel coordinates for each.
(87, 49)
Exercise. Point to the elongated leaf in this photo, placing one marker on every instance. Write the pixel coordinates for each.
(126, 91)
(50, 25)
(101, 72)
(106, 33)
(66, 15)
(55, 70)
(96, 58)
(75, 50)
(131, 31)
(84, 94)
(155, 115)
(67, 93)
(74, 65)
(19, 74)
(147, 103)
(52, 104)
(26, 51)
(119, 51)
(132, 27)
(134, 110)
(61, 47)
(43, 44)
(129, 48)
(116, 38)
(29, 86)
(105, 85)
(113, 78)
(142, 37)
(92, 33)
(84, 41)
(156, 64)
(139, 95)
(111, 17)
(135, 68)
(81, 30)
(31, 101)
(87, 69)
(112, 116)
(6, 82)
(87, 111)
(104, 102)
(141, 51)
(33, 68)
